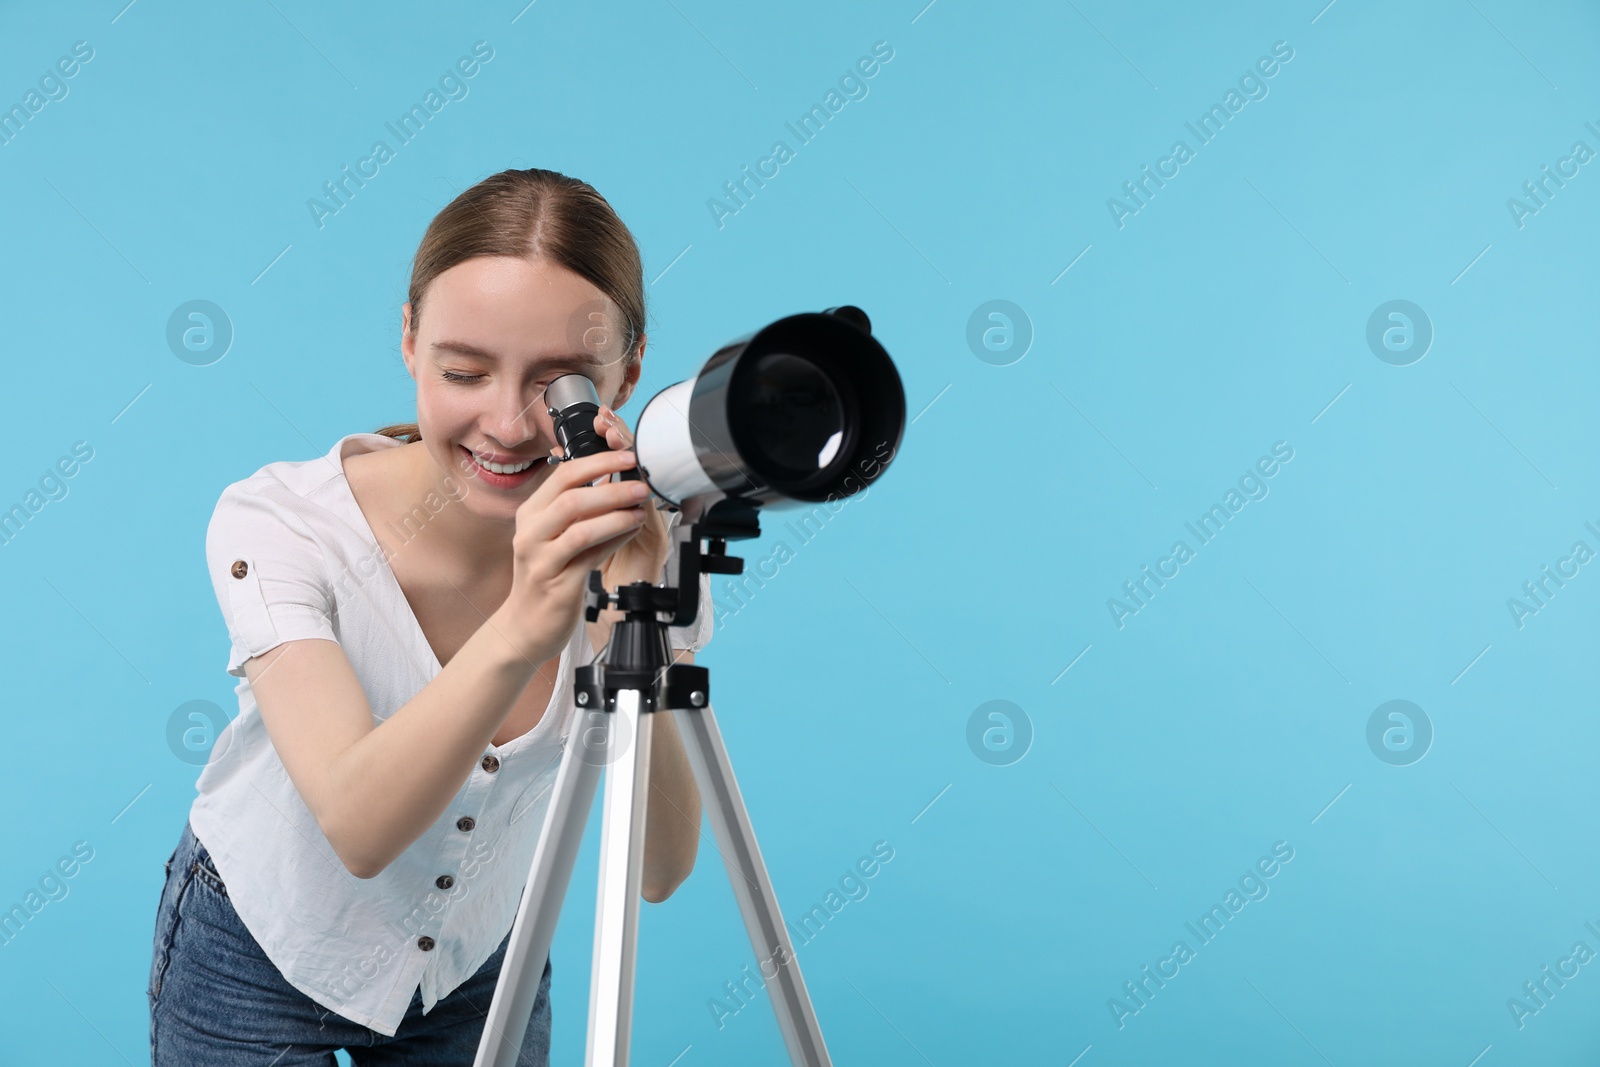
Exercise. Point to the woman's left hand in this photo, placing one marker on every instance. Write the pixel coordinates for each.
(642, 557)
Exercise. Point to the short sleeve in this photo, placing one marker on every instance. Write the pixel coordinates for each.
(267, 569)
(695, 635)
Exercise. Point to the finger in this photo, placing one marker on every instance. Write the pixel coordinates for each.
(609, 433)
(616, 422)
(579, 504)
(581, 471)
(592, 541)
(594, 559)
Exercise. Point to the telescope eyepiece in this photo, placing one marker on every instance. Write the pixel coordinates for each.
(573, 403)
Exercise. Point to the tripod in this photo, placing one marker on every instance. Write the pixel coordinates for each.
(617, 701)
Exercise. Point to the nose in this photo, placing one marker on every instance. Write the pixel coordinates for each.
(518, 417)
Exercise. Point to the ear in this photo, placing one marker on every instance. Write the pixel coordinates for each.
(630, 376)
(408, 341)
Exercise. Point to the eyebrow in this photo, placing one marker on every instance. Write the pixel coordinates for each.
(465, 348)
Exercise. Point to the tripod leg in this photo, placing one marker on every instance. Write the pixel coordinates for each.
(535, 926)
(621, 874)
(730, 822)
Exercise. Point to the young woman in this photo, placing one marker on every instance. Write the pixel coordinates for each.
(404, 614)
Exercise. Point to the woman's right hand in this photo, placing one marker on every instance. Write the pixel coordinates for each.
(566, 529)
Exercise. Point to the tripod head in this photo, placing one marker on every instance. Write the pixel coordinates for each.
(638, 656)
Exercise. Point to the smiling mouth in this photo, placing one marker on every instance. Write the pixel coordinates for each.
(503, 469)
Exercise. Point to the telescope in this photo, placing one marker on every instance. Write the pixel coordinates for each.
(807, 409)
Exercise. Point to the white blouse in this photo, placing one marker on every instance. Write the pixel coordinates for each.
(291, 556)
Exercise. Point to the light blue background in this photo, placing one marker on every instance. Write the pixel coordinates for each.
(1222, 318)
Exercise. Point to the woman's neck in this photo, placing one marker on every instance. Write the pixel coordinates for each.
(419, 510)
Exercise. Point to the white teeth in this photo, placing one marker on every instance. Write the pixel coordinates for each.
(501, 468)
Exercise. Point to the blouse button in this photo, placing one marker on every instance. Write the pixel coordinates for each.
(465, 823)
(491, 764)
(444, 881)
(240, 568)
(425, 943)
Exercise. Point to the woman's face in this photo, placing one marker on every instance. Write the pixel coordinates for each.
(494, 332)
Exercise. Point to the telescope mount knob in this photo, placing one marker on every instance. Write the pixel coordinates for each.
(853, 315)
(596, 599)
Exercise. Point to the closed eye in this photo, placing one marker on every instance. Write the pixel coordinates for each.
(451, 376)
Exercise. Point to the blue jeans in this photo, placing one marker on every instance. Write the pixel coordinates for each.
(216, 999)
